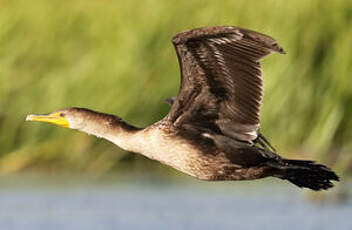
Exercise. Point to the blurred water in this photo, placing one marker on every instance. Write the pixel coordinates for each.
(150, 205)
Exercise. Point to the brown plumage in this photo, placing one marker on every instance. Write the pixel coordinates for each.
(212, 129)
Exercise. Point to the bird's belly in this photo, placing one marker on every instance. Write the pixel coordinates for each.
(180, 155)
(187, 158)
(211, 167)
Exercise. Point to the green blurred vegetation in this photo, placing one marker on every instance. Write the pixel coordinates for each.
(116, 57)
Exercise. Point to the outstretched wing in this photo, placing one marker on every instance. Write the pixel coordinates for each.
(221, 84)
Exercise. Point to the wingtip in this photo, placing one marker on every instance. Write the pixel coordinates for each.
(282, 51)
(278, 48)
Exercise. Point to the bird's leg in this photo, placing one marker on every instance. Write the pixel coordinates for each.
(262, 141)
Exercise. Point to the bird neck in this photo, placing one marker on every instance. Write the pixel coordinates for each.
(113, 129)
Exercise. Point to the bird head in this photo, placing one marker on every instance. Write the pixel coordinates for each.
(101, 125)
(73, 118)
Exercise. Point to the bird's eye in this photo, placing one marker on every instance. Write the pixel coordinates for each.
(61, 115)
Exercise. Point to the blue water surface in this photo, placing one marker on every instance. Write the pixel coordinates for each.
(135, 204)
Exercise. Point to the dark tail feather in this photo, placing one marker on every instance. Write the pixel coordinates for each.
(305, 174)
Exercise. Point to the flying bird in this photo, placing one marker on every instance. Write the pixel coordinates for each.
(212, 131)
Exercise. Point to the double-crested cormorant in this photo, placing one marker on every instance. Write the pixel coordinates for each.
(212, 129)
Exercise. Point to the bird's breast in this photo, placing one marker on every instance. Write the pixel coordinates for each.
(177, 152)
